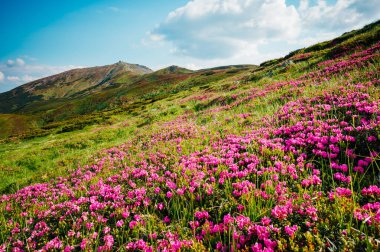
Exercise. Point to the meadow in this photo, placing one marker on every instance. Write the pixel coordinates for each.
(282, 157)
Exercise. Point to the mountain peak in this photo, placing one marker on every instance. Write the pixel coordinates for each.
(137, 68)
(120, 62)
(72, 83)
(174, 69)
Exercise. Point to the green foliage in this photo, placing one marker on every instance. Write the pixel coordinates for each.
(57, 134)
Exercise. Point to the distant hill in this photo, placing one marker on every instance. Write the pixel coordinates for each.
(74, 97)
(279, 157)
(71, 100)
(69, 84)
(174, 69)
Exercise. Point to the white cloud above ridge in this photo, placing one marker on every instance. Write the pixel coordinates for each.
(15, 72)
(13, 78)
(223, 31)
(20, 62)
(15, 62)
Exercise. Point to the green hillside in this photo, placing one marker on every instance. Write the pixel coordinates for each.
(283, 156)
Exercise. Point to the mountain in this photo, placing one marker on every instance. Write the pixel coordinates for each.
(77, 95)
(87, 96)
(174, 69)
(69, 84)
(284, 156)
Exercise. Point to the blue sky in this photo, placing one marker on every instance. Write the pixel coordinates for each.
(40, 38)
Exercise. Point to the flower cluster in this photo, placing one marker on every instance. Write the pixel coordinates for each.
(278, 187)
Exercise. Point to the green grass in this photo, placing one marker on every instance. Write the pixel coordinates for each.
(172, 119)
(65, 139)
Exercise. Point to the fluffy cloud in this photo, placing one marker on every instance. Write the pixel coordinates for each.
(20, 62)
(15, 72)
(16, 62)
(222, 30)
(211, 29)
(13, 78)
(28, 78)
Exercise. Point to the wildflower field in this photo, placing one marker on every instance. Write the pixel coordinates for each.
(286, 158)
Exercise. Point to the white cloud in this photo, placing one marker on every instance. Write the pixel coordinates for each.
(22, 70)
(10, 63)
(16, 62)
(20, 62)
(28, 78)
(221, 31)
(47, 70)
(156, 37)
(217, 29)
(13, 78)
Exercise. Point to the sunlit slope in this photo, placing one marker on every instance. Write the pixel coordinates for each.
(281, 157)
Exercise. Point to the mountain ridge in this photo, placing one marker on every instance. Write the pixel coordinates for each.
(79, 96)
(68, 84)
(280, 157)
(83, 82)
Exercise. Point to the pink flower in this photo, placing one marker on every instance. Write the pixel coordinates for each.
(180, 191)
(281, 212)
(219, 246)
(153, 236)
(262, 232)
(371, 139)
(227, 219)
(89, 225)
(160, 206)
(359, 169)
(53, 244)
(343, 192)
(94, 235)
(68, 249)
(257, 247)
(83, 244)
(291, 230)
(133, 224)
(194, 224)
(167, 219)
(108, 240)
(119, 223)
(265, 221)
(201, 215)
(243, 221)
(15, 231)
(125, 214)
(312, 213)
(270, 244)
(106, 230)
(371, 190)
(169, 194)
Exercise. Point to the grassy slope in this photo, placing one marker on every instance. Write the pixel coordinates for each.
(211, 105)
(12, 124)
(154, 99)
(125, 93)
